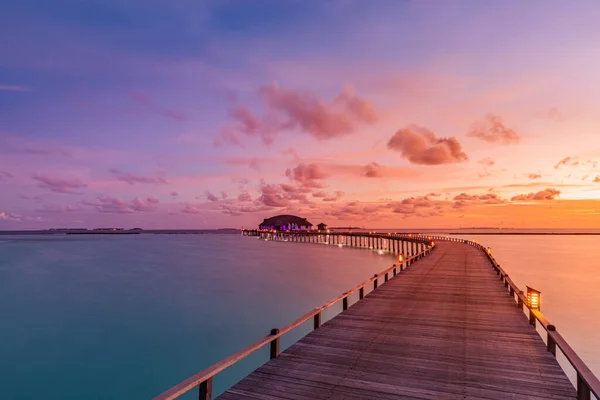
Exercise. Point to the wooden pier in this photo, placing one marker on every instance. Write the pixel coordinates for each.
(446, 323)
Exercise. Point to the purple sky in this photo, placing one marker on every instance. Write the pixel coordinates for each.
(191, 114)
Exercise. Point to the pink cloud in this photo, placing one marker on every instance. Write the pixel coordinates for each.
(488, 162)
(323, 120)
(567, 161)
(373, 170)
(188, 209)
(144, 100)
(244, 196)
(133, 179)
(174, 194)
(288, 109)
(597, 179)
(106, 204)
(488, 198)
(493, 130)
(60, 185)
(211, 197)
(546, 194)
(6, 216)
(534, 176)
(421, 146)
(307, 175)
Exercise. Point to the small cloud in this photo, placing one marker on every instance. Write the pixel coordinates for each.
(211, 197)
(421, 146)
(534, 176)
(373, 170)
(174, 194)
(488, 162)
(106, 204)
(244, 196)
(597, 179)
(493, 130)
(133, 179)
(567, 161)
(307, 175)
(224, 195)
(60, 185)
(14, 88)
(6, 216)
(546, 194)
(190, 210)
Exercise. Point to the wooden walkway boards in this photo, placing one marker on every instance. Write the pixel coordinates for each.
(445, 328)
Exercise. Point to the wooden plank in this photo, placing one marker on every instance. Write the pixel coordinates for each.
(444, 328)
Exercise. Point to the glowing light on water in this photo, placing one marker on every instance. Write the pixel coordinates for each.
(340, 245)
(380, 252)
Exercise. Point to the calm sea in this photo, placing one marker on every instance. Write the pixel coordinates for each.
(126, 317)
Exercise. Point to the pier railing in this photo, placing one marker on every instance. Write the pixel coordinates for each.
(587, 382)
(204, 379)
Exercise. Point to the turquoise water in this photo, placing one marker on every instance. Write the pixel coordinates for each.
(126, 317)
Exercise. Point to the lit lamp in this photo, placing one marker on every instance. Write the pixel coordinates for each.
(432, 243)
(400, 258)
(533, 298)
(489, 250)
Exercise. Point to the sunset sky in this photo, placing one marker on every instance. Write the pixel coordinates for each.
(382, 114)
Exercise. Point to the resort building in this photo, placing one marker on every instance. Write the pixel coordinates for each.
(286, 223)
(322, 227)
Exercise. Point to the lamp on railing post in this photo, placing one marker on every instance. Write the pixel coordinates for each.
(401, 261)
(533, 303)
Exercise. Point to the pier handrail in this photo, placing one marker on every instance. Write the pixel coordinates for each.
(586, 380)
(204, 377)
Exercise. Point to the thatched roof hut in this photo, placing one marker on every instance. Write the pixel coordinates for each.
(285, 222)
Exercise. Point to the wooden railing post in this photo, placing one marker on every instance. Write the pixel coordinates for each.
(274, 344)
(345, 303)
(551, 344)
(205, 389)
(375, 282)
(317, 321)
(583, 390)
(361, 293)
(520, 300)
(531, 317)
(385, 278)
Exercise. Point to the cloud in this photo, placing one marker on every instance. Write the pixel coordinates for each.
(373, 170)
(5, 176)
(133, 179)
(106, 204)
(421, 146)
(546, 194)
(303, 110)
(6, 216)
(493, 130)
(567, 161)
(144, 100)
(597, 179)
(174, 194)
(251, 125)
(307, 175)
(287, 109)
(60, 185)
(224, 195)
(335, 196)
(14, 88)
(147, 204)
(534, 176)
(17, 145)
(244, 196)
(488, 198)
(211, 197)
(488, 162)
(190, 210)
(58, 209)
